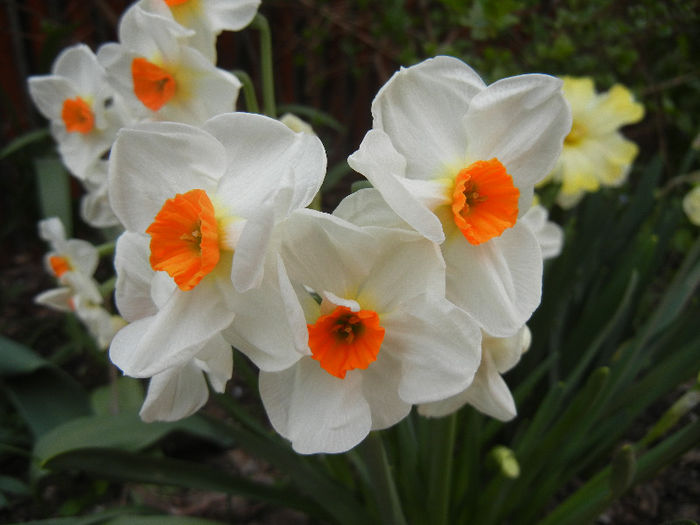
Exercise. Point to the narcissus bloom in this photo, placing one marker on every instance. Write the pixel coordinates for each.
(458, 160)
(84, 112)
(549, 234)
(207, 18)
(378, 335)
(160, 76)
(195, 196)
(488, 393)
(595, 154)
(73, 262)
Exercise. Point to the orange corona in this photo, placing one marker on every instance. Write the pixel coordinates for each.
(185, 238)
(153, 85)
(59, 265)
(172, 3)
(484, 201)
(344, 340)
(77, 116)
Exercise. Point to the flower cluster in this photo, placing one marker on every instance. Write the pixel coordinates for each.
(414, 292)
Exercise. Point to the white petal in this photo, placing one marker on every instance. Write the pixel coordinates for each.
(269, 326)
(316, 411)
(231, 15)
(506, 351)
(549, 235)
(156, 161)
(499, 283)
(407, 266)
(249, 257)
(327, 253)
(438, 345)
(175, 394)
(174, 335)
(79, 64)
(488, 393)
(366, 207)
(386, 169)
(420, 109)
(52, 231)
(522, 121)
(216, 359)
(49, 92)
(134, 275)
(264, 157)
(56, 298)
(380, 386)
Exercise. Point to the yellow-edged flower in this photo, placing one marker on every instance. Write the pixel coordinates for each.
(595, 154)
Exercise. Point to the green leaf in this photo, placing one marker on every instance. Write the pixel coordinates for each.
(121, 431)
(23, 141)
(125, 395)
(18, 359)
(14, 486)
(160, 520)
(53, 184)
(121, 465)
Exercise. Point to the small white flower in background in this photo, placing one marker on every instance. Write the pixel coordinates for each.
(207, 18)
(211, 191)
(160, 76)
(595, 153)
(84, 112)
(377, 333)
(691, 205)
(458, 160)
(488, 393)
(73, 262)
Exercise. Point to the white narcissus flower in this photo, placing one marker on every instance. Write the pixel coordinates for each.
(458, 160)
(691, 205)
(595, 153)
(209, 192)
(488, 393)
(207, 18)
(179, 391)
(95, 208)
(84, 112)
(379, 335)
(73, 262)
(160, 76)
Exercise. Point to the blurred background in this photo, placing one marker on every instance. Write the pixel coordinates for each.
(330, 58)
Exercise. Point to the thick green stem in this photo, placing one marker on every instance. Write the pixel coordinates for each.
(268, 86)
(377, 463)
(251, 100)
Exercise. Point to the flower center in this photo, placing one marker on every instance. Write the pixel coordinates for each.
(185, 238)
(575, 135)
(344, 340)
(484, 201)
(59, 265)
(153, 85)
(77, 116)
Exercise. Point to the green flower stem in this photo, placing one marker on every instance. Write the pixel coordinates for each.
(268, 87)
(251, 99)
(441, 469)
(107, 287)
(377, 463)
(106, 249)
